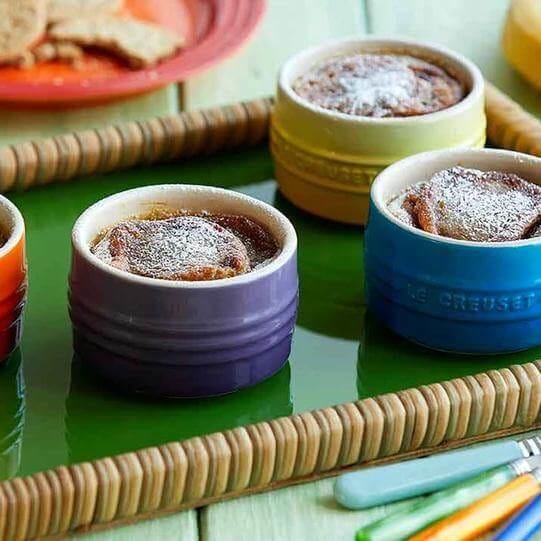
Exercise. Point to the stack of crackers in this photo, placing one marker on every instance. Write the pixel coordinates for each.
(34, 31)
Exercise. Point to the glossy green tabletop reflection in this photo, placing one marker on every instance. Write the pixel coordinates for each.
(54, 411)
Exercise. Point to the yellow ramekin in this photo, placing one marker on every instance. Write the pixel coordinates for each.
(521, 39)
(325, 160)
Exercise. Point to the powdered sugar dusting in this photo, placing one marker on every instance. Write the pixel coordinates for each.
(379, 85)
(400, 209)
(186, 247)
(260, 245)
(468, 204)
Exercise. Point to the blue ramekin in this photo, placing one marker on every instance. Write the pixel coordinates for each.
(182, 339)
(446, 294)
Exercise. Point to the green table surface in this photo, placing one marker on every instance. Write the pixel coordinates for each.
(53, 412)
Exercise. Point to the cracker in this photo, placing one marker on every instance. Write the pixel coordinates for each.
(22, 24)
(65, 52)
(58, 51)
(60, 10)
(140, 43)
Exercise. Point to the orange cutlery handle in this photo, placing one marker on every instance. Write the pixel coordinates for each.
(483, 514)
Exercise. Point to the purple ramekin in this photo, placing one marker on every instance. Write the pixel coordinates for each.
(179, 338)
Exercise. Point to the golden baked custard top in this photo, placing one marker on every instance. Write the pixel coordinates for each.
(379, 85)
(185, 246)
(468, 204)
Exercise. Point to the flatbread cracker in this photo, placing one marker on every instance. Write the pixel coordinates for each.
(60, 10)
(22, 24)
(142, 44)
(59, 52)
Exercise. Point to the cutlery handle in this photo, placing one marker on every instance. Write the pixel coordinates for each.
(384, 484)
(523, 525)
(484, 514)
(416, 515)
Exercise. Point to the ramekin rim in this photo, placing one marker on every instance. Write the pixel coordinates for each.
(18, 229)
(288, 249)
(475, 93)
(383, 208)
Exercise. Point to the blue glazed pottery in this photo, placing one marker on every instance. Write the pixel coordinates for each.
(447, 294)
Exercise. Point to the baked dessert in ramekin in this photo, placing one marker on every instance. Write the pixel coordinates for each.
(12, 276)
(327, 150)
(440, 288)
(147, 325)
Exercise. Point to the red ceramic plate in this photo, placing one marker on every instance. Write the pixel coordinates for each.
(213, 29)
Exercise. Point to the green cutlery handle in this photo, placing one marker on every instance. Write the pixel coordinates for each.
(420, 513)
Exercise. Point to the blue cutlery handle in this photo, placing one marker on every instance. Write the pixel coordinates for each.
(522, 525)
(384, 484)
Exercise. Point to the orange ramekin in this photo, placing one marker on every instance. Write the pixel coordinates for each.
(12, 277)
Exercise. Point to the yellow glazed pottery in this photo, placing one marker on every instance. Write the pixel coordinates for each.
(325, 160)
(522, 39)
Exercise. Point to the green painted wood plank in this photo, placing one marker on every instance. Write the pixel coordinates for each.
(288, 26)
(179, 527)
(22, 125)
(303, 512)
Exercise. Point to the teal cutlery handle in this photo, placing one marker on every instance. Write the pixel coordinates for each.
(418, 514)
(384, 484)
